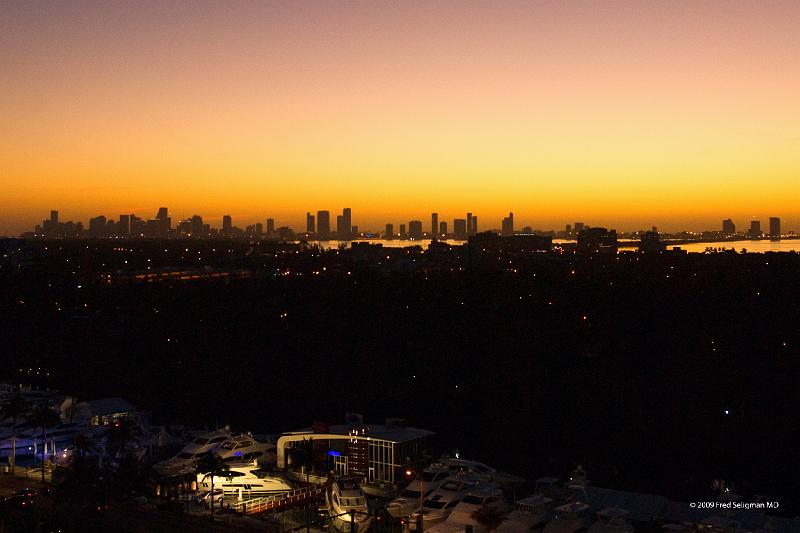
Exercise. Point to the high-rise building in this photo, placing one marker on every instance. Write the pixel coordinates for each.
(415, 230)
(434, 225)
(270, 226)
(124, 225)
(310, 228)
(54, 217)
(774, 227)
(474, 229)
(389, 235)
(259, 229)
(227, 225)
(728, 227)
(344, 225)
(197, 225)
(403, 234)
(324, 224)
(460, 229)
(755, 229)
(166, 220)
(568, 230)
(508, 226)
(469, 224)
(340, 233)
(579, 227)
(443, 228)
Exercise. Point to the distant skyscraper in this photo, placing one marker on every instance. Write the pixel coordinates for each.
(434, 225)
(197, 225)
(54, 217)
(403, 234)
(270, 226)
(508, 226)
(568, 230)
(415, 230)
(259, 228)
(443, 228)
(578, 227)
(324, 224)
(774, 227)
(163, 216)
(124, 226)
(460, 229)
(474, 229)
(345, 229)
(340, 232)
(227, 225)
(469, 224)
(389, 235)
(728, 227)
(755, 229)
(310, 228)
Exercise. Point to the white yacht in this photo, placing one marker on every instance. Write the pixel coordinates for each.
(438, 506)
(611, 520)
(242, 449)
(482, 471)
(529, 514)
(243, 482)
(483, 497)
(570, 518)
(347, 504)
(411, 498)
(185, 460)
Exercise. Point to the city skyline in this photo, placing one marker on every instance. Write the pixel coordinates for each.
(628, 114)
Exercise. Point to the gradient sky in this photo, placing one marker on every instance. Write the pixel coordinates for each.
(625, 114)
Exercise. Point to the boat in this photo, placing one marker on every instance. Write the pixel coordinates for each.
(438, 506)
(611, 520)
(56, 439)
(347, 507)
(529, 514)
(483, 497)
(243, 449)
(411, 498)
(483, 472)
(569, 518)
(243, 481)
(185, 460)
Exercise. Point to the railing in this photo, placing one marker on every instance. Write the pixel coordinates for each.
(278, 501)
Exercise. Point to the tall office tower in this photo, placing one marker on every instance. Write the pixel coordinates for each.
(346, 232)
(54, 217)
(340, 233)
(728, 227)
(460, 229)
(443, 228)
(323, 224)
(434, 225)
(579, 226)
(755, 228)
(389, 235)
(163, 216)
(403, 231)
(259, 229)
(270, 226)
(774, 227)
(197, 225)
(309, 223)
(469, 224)
(474, 229)
(227, 225)
(124, 226)
(508, 226)
(568, 230)
(415, 230)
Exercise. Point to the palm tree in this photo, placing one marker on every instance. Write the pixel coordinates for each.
(15, 407)
(211, 464)
(43, 416)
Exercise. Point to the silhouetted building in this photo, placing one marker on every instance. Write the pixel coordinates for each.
(651, 243)
(389, 235)
(755, 229)
(728, 227)
(443, 228)
(124, 225)
(460, 229)
(227, 225)
(774, 227)
(415, 230)
(403, 234)
(434, 225)
(596, 240)
(270, 226)
(310, 226)
(578, 227)
(469, 224)
(508, 226)
(324, 224)
(344, 225)
(474, 229)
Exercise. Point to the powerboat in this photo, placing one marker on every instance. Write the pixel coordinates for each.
(411, 498)
(483, 497)
(347, 506)
(438, 506)
(483, 472)
(611, 520)
(185, 460)
(529, 514)
(242, 449)
(243, 482)
(569, 518)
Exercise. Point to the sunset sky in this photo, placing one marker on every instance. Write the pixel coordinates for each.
(617, 113)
